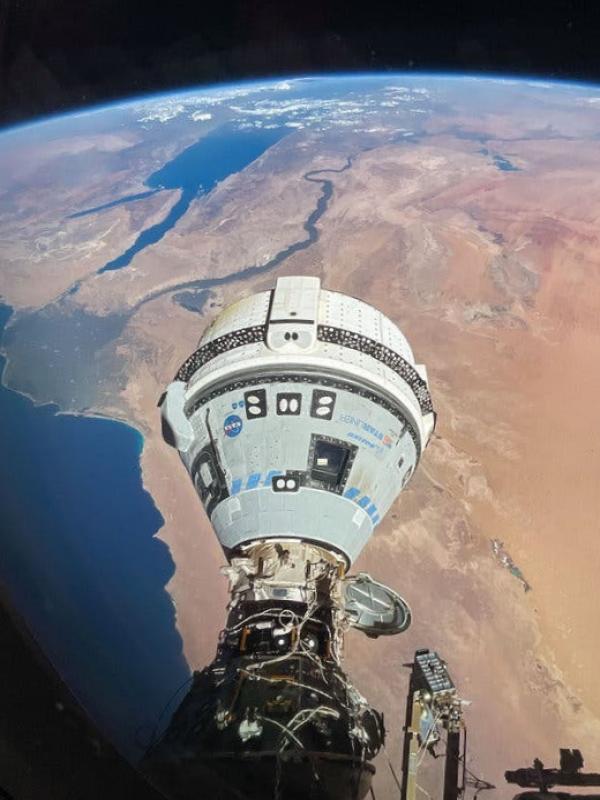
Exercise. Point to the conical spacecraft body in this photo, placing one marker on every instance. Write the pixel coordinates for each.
(300, 418)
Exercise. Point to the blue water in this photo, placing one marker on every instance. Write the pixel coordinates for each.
(502, 163)
(505, 165)
(196, 170)
(129, 198)
(81, 562)
(310, 226)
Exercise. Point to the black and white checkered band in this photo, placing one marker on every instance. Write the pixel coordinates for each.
(325, 333)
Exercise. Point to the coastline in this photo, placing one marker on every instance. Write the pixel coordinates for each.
(429, 253)
(198, 591)
(67, 569)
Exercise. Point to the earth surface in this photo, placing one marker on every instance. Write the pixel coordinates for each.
(466, 209)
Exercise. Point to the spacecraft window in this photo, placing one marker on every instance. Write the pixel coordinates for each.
(329, 462)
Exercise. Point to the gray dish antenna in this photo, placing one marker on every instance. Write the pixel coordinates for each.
(374, 608)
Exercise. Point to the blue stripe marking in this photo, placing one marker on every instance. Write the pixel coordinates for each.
(253, 480)
(270, 475)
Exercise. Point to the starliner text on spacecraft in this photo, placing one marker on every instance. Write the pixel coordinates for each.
(300, 418)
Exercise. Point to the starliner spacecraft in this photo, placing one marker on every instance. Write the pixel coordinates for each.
(300, 418)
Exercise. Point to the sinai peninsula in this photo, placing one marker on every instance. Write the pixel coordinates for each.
(467, 210)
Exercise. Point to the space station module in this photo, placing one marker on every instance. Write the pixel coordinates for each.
(300, 418)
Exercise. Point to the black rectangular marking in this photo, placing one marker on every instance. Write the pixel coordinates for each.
(289, 403)
(255, 402)
(323, 403)
(290, 482)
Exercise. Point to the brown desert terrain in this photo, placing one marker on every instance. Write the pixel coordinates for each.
(508, 332)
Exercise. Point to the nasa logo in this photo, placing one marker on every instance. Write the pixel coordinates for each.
(232, 425)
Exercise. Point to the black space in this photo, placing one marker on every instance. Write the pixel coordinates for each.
(59, 54)
(49, 750)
